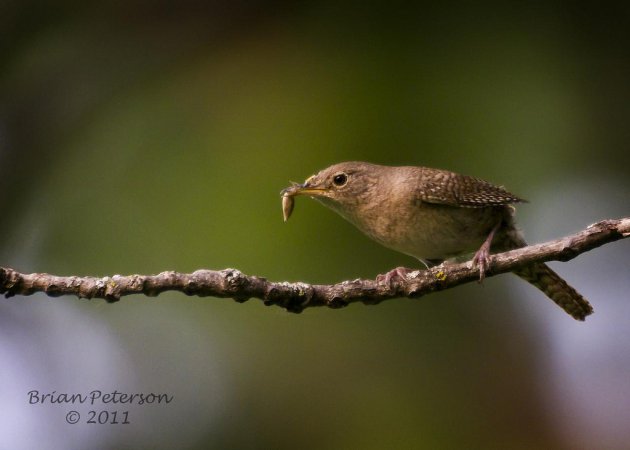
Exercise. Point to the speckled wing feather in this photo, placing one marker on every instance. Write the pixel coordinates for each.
(449, 188)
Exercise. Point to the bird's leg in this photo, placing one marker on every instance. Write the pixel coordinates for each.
(481, 257)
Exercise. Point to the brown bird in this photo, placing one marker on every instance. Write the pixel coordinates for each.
(432, 215)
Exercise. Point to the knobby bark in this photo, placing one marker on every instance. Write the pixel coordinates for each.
(296, 296)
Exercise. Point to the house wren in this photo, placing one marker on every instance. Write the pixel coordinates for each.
(432, 215)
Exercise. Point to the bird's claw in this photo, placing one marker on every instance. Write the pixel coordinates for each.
(481, 260)
(482, 257)
(397, 274)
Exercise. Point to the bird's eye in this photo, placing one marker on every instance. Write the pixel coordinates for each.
(340, 179)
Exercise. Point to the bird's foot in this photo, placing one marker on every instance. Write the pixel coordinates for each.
(481, 260)
(397, 274)
(482, 257)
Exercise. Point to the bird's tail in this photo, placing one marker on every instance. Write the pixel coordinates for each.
(541, 275)
(558, 290)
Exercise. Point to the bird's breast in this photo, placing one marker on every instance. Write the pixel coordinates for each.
(428, 231)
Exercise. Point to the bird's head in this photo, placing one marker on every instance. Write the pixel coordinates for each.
(341, 187)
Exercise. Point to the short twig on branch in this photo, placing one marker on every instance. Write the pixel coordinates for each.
(297, 296)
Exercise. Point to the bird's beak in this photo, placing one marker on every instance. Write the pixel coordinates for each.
(305, 188)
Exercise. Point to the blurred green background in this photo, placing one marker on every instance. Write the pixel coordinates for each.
(138, 136)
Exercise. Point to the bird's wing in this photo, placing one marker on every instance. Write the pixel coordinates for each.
(449, 188)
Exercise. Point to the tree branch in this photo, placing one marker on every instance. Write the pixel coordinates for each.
(295, 297)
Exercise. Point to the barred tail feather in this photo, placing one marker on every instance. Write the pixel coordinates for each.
(567, 298)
